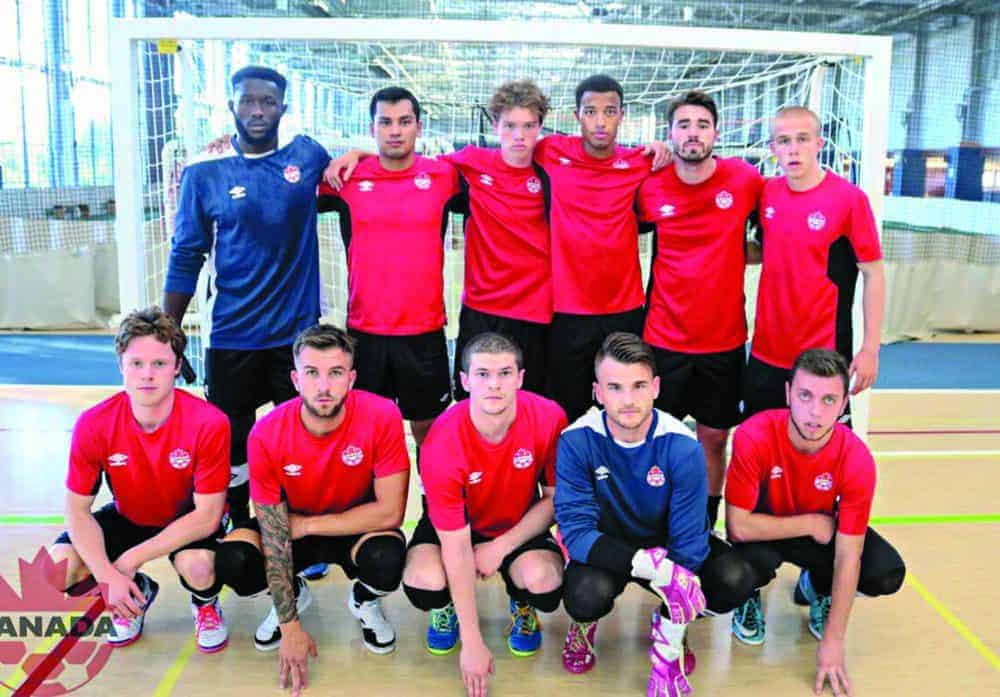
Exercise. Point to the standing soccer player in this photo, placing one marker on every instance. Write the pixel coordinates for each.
(164, 454)
(799, 490)
(508, 276)
(695, 318)
(630, 503)
(251, 210)
(596, 279)
(329, 475)
(818, 230)
(393, 214)
(481, 467)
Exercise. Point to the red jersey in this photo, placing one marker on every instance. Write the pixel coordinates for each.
(768, 474)
(508, 271)
(393, 228)
(813, 241)
(152, 476)
(595, 234)
(489, 486)
(697, 303)
(326, 474)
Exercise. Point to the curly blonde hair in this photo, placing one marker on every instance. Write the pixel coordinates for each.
(519, 93)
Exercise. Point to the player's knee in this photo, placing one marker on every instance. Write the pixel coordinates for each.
(240, 565)
(380, 560)
(885, 584)
(727, 583)
(424, 575)
(196, 567)
(427, 600)
(541, 576)
(588, 594)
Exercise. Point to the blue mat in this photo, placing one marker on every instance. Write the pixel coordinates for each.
(71, 359)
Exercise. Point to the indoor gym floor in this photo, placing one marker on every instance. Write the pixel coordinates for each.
(938, 453)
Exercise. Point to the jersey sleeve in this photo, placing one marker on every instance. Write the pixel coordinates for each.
(192, 238)
(211, 475)
(576, 506)
(855, 505)
(444, 485)
(84, 475)
(265, 487)
(863, 231)
(460, 159)
(390, 455)
(647, 199)
(742, 476)
(687, 527)
(557, 423)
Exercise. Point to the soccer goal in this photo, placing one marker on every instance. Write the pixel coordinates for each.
(171, 87)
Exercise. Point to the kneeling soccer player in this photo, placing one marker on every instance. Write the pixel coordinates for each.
(631, 496)
(328, 477)
(799, 490)
(165, 455)
(481, 467)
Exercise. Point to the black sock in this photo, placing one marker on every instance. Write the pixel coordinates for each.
(362, 593)
(713, 510)
(198, 602)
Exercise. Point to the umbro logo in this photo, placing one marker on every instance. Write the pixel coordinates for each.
(602, 473)
(776, 472)
(769, 212)
(667, 210)
(475, 477)
(620, 164)
(118, 460)
(564, 161)
(238, 192)
(486, 180)
(422, 181)
(366, 185)
(293, 470)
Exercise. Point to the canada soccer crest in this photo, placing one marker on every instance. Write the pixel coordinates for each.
(620, 164)
(534, 184)
(655, 476)
(823, 482)
(523, 458)
(724, 199)
(179, 458)
(816, 220)
(292, 174)
(352, 456)
(422, 181)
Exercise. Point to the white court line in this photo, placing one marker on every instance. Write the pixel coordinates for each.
(935, 390)
(934, 453)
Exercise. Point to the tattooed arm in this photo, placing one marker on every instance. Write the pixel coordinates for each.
(296, 643)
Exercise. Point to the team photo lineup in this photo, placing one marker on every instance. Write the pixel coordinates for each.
(551, 449)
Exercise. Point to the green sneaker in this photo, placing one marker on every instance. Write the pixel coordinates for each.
(748, 621)
(819, 610)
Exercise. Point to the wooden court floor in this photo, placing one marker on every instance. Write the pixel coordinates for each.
(939, 457)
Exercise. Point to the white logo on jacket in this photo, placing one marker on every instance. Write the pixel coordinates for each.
(293, 470)
(118, 460)
(422, 181)
(352, 456)
(179, 458)
(724, 199)
(475, 477)
(534, 184)
(523, 458)
(816, 220)
(602, 473)
(823, 482)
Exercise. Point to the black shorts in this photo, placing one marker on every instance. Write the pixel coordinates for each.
(764, 388)
(321, 549)
(425, 534)
(121, 534)
(412, 370)
(707, 386)
(531, 337)
(573, 344)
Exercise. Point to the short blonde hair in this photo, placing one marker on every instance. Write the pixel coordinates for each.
(798, 111)
(519, 93)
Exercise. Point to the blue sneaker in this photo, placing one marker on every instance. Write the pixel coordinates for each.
(748, 621)
(315, 572)
(819, 610)
(524, 636)
(442, 632)
(804, 593)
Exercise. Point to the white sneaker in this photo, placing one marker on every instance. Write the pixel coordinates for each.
(126, 631)
(268, 634)
(210, 627)
(377, 632)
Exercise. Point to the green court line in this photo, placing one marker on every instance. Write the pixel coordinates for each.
(411, 524)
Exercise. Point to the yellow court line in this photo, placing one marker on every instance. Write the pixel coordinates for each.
(166, 685)
(955, 623)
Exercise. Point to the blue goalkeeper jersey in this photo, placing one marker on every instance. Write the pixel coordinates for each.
(650, 494)
(254, 219)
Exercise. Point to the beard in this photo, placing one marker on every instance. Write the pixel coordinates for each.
(269, 136)
(705, 153)
(331, 412)
(806, 438)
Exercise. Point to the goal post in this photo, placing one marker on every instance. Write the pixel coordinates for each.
(170, 85)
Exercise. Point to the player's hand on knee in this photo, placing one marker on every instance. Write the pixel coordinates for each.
(824, 527)
(477, 666)
(489, 556)
(293, 657)
(831, 666)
